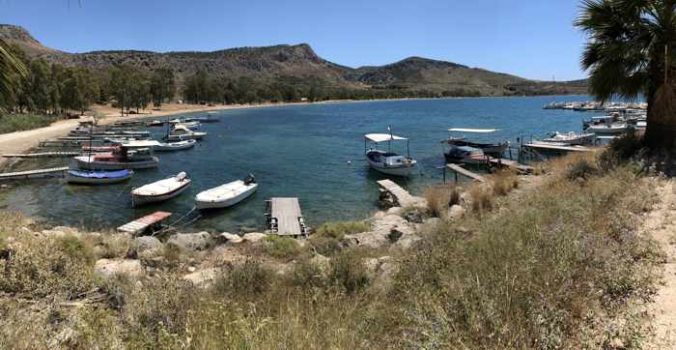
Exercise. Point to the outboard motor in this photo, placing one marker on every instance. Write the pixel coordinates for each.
(250, 179)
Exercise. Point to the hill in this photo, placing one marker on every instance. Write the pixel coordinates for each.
(301, 65)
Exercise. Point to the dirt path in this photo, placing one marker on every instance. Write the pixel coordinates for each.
(661, 224)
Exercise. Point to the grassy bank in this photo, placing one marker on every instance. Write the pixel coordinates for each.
(558, 266)
(18, 122)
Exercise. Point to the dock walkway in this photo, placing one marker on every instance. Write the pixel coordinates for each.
(30, 174)
(286, 218)
(554, 147)
(401, 197)
(143, 223)
(462, 171)
(512, 164)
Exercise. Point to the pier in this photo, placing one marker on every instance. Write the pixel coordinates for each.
(32, 174)
(41, 155)
(457, 169)
(144, 223)
(555, 147)
(400, 197)
(285, 217)
(511, 164)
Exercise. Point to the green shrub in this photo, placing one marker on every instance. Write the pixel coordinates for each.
(348, 272)
(18, 122)
(340, 228)
(581, 169)
(249, 279)
(282, 247)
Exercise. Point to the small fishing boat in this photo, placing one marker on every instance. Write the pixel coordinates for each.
(175, 146)
(226, 195)
(606, 125)
(465, 155)
(456, 138)
(188, 123)
(161, 190)
(571, 138)
(97, 177)
(120, 158)
(156, 123)
(181, 133)
(389, 163)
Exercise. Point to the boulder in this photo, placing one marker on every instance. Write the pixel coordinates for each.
(379, 215)
(394, 211)
(202, 278)
(108, 268)
(254, 237)
(192, 241)
(229, 238)
(146, 244)
(407, 241)
(456, 212)
(59, 231)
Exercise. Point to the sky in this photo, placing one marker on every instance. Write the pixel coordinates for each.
(530, 38)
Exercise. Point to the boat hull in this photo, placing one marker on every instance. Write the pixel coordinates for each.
(72, 178)
(392, 170)
(84, 162)
(171, 148)
(205, 204)
(138, 200)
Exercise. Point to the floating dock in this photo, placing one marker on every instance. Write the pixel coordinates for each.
(285, 217)
(144, 223)
(457, 169)
(33, 174)
(400, 196)
(41, 155)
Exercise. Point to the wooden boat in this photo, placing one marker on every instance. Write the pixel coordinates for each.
(120, 158)
(457, 139)
(389, 163)
(570, 138)
(97, 177)
(181, 133)
(161, 190)
(226, 195)
(465, 155)
(175, 146)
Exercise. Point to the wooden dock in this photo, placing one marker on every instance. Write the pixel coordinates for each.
(512, 164)
(400, 196)
(32, 174)
(142, 224)
(285, 217)
(559, 148)
(41, 155)
(457, 169)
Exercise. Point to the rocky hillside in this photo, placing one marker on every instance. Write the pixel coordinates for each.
(300, 62)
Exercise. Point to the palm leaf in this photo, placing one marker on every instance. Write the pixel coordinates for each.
(11, 71)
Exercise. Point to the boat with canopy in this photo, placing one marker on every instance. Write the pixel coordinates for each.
(457, 138)
(388, 162)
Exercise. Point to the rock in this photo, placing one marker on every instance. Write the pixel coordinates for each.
(254, 237)
(384, 231)
(379, 215)
(108, 268)
(191, 268)
(456, 212)
(394, 211)
(146, 244)
(192, 241)
(432, 222)
(407, 241)
(202, 278)
(413, 216)
(229, 238)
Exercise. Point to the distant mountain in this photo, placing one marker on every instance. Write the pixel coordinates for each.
(300, 62)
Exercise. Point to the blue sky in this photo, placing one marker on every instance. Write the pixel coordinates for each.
(530, 38)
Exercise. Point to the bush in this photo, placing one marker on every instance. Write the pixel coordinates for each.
(18, 122)
(282, 247)
(326, 238)
(581, 169)
(249, 279)
(440, 198)
(503, 182)
(348, 272)
(482, 198)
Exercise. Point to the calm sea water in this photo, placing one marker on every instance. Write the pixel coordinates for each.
(313, 152)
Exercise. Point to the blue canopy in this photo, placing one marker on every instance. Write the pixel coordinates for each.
(100, 174)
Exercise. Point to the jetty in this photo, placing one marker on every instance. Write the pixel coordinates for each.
(511, 164)
(399, 197)
(144, 223)
(41, 155)
(33, 174)
(457, 169)
(555, 147)
(285, 217)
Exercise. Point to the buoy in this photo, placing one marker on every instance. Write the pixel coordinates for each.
(349, 162)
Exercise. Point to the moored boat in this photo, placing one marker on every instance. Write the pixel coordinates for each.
(465, 155)
(161, 190)
(120, 158)
(457, 139)
(570, 138)
(226, 195)
(175, 146)
(389, 163)
(181, 133)
(97, 177)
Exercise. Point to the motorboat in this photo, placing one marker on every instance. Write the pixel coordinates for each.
(97, 177)
(175, 146)
(120, 158)
(161, 190)
(226, 195)
(389, 163)
(465, 155)
(181, 133)
(606, 125)
(156, 122)
(190, 124)
(571, 138)
(456, 138)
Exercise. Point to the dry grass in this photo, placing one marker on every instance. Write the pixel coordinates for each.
(440, 198)
(481, 197)
(503, 182)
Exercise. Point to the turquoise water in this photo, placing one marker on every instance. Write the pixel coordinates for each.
(314, 152)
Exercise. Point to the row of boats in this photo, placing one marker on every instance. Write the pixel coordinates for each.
(595, 106)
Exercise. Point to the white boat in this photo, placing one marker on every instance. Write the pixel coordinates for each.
(608, 129)
(188, 123)
(175, 146)
(389, 163)
(97, 177)
(181, 132)
(226, 195)
(120, 158)
(160, 190)
(570, 138)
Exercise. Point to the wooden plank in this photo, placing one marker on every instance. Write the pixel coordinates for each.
(32, 173)
(403, 198)
(287, 213)
(141, 224)
(460, 170)
(527, 169)
(558, 147)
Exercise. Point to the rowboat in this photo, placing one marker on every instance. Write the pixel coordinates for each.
(570, 138)
(97, 177)
(465, 155)
(389, 163)
(226, 195)
(120, 158)
(161, 190)
(175, 146)
(181, 132)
